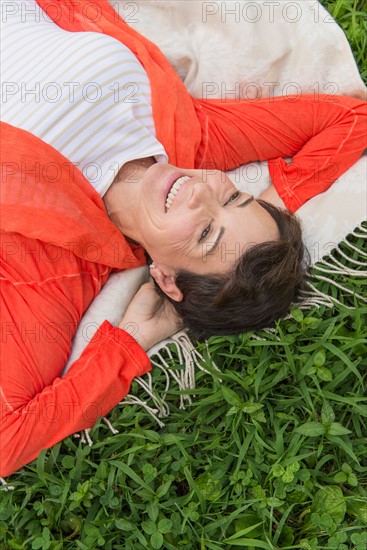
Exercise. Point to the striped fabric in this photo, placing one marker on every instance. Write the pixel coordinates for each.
(84, 93)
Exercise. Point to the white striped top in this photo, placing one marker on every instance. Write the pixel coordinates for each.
(84, 93)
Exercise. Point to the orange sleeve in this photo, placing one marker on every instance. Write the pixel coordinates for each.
(323, 135)
(338, 139)
(94, 384)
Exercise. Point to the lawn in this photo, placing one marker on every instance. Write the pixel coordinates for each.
(270, 451)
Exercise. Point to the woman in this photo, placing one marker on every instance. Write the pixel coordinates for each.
(226, 261)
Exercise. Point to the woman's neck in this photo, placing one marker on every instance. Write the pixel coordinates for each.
(123, 195)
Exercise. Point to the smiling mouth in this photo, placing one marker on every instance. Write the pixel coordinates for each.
(174, 190)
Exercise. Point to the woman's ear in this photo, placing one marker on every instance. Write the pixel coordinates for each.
(166, 283)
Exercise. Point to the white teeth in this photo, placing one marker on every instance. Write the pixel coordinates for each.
(174, 190)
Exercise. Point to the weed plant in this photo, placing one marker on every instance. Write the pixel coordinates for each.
(270, 454)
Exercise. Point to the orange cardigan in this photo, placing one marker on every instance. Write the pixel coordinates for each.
(58, 245)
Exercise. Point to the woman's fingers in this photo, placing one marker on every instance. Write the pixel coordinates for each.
(152, 315)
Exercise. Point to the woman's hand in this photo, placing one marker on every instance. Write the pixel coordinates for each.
(149, 317)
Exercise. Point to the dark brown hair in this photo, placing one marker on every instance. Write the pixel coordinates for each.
(256, 292)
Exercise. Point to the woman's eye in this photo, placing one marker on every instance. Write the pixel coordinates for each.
(205, 233)
(233, 197)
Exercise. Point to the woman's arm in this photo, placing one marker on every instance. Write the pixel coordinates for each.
(94, 384)
(271, 195)
(338, 139)
(323, 135)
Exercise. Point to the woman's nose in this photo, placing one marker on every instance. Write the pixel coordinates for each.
(201, 195)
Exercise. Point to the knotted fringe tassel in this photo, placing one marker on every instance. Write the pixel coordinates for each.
(4, 485)
(331, 265)
(191, 359)
(188, 357)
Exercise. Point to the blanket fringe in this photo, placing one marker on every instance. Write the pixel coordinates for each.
(331, 265)
(84, 436)
(190, 359)
(4, 485)
(133, 400)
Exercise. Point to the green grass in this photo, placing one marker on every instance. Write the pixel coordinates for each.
(272, 452)
(352, 17)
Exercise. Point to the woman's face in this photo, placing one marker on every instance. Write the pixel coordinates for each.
(206, 228)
